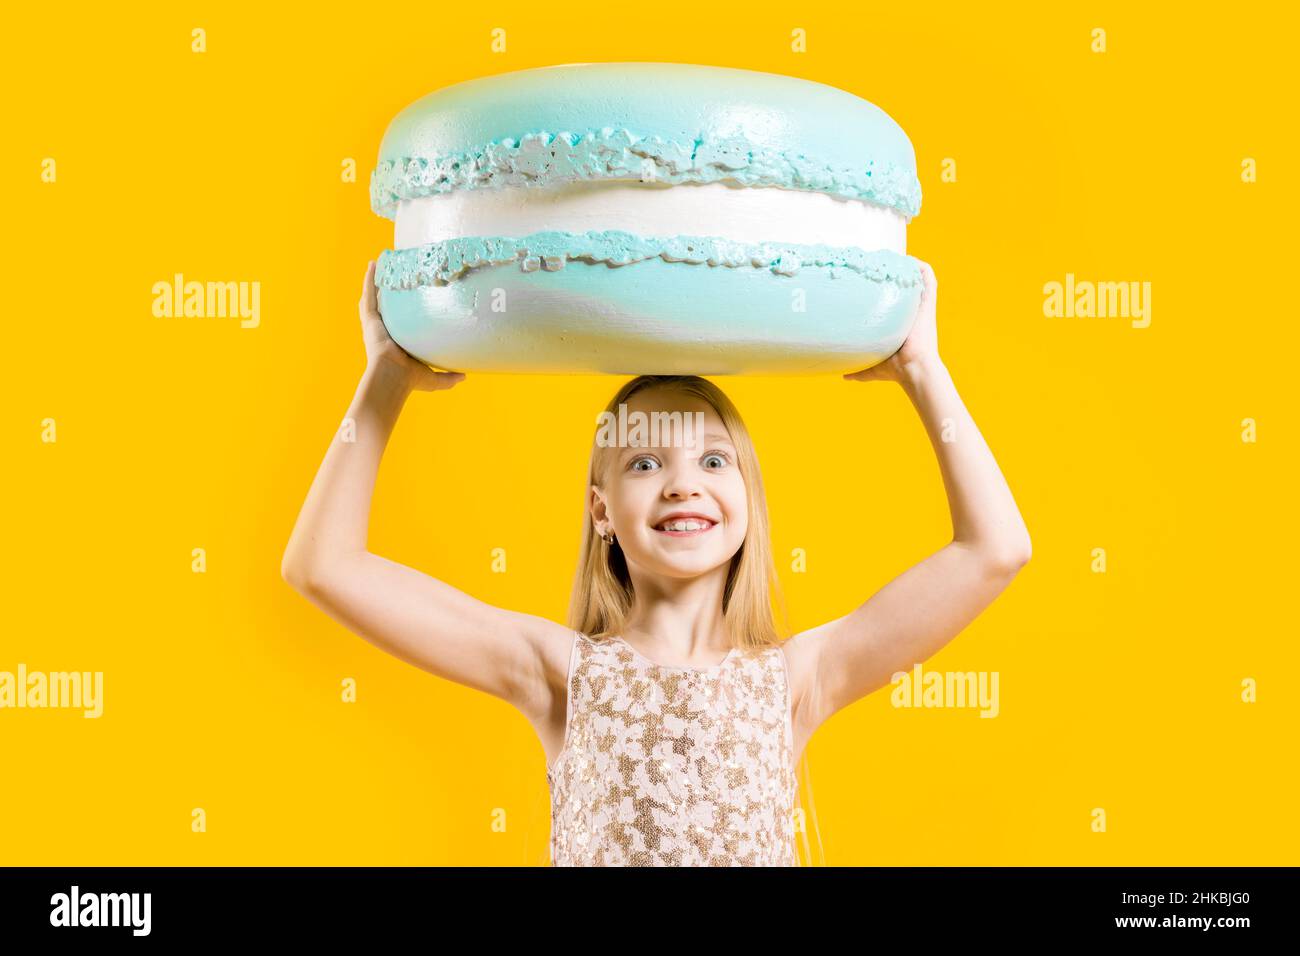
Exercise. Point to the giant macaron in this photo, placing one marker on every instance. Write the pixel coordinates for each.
(647, 218)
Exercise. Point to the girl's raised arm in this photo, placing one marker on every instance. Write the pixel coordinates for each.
(922, 609)
(517, 657)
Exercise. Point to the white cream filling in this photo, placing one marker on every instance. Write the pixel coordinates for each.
(742, 214)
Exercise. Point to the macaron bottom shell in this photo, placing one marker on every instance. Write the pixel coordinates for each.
(654, 317)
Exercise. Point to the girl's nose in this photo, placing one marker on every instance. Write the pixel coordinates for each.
(678, 483)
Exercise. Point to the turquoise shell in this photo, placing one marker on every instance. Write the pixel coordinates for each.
(677, 122)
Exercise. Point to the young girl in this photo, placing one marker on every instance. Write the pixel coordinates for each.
(671, 712)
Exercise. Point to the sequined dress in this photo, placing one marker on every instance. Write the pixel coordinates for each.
(674, 766)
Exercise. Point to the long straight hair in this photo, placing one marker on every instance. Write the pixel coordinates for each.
(602, 588)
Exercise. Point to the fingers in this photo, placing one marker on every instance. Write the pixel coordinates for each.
(441, 380)
(369, 303)
(925, 302)
(928, 282)
(931, 284)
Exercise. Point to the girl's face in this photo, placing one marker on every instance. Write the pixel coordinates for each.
(694, 474)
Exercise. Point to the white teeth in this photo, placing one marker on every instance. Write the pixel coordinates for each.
(689, 525)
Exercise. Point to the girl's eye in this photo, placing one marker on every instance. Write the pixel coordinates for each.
(650, 463)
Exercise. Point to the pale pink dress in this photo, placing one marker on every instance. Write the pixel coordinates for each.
(674, 766)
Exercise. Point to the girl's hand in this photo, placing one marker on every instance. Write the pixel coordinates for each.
(922, 345)
(386, 356)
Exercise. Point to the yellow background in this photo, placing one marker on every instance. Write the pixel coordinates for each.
(1119, 690)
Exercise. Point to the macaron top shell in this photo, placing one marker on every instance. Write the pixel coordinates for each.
(667, 122)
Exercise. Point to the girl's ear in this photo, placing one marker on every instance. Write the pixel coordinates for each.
(596, 501)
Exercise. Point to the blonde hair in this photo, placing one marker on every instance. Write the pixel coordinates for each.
(602, 589)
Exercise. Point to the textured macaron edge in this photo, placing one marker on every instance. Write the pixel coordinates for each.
(543, 158)
(439, 263)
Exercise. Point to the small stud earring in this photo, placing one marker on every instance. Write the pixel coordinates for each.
(608, 538)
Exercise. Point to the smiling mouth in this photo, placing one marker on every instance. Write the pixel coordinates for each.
(685, 527)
